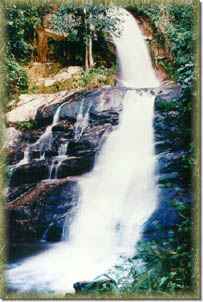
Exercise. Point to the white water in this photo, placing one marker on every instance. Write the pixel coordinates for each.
(117, 197)
(57, 161)
(44, 141)
(81, 122)
(26, 158)
(133, 55)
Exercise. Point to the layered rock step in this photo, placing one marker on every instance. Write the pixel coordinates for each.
(68, 133)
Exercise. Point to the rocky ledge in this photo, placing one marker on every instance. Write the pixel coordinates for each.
(51, 140)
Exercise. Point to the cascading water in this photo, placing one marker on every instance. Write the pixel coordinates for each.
(56, 163)
(117, 197)
(81, 122)
(133, 55)
(45, 140)
(42, 143)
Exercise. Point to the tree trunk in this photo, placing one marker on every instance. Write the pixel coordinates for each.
(89, 60)
(86, 57)
(42, 45)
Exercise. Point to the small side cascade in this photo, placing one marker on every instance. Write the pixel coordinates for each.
(52, 169)
(44, 236)
(63, 149)
(102, 103)
(81, 122)
(61, 157)
(26, 157)
(56, 117)
(43, 143)
(56, 163)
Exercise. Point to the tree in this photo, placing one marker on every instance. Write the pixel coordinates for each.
(85, 24)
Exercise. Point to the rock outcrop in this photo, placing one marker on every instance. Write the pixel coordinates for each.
(68, 134)
(171, 172)
(29, 104)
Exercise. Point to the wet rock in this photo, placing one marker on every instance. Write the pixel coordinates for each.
(99, 286)
(93, 102)
(76, 166)
(66, 125)
(80, 147)
(32, 172)
(169, 161)
(14, 155)
(170, 151)
(169, 92)
(13, 138)
(110, 117)
(40, 212)
(28, 105)
(31, 136)
(166, 215)
(14, 192)
(44, 115)
(13, 146)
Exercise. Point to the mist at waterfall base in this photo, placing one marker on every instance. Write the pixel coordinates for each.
(117, 197)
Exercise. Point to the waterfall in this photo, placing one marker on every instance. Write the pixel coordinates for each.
(81, 122)
(117, 197)
(26, 158)
(56, 163)
(133, 55)
(44, 141)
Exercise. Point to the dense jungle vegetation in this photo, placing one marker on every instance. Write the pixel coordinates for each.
(169, 262)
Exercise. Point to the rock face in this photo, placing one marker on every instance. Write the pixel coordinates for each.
(159, 51)
(172, 177)
(13, 137)
(64, 143)
(28, 106)
(39, 212)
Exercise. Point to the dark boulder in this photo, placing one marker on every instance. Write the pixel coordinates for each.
(39, 214)
(32, 172)
(76, 165)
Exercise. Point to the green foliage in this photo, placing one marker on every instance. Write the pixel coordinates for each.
(89, 79)
(26, 125)
(98, 76)
(85, 21)
(178, 33)
(21, 21)
(181, 36)
(16, 77)
(167, 262)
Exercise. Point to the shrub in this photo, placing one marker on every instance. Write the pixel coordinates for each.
(16, 77)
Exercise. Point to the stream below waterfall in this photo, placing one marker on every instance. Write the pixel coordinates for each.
(116, 198)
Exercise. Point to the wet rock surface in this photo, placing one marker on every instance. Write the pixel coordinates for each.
(171, 172)
(41, 160)
(39, 212)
